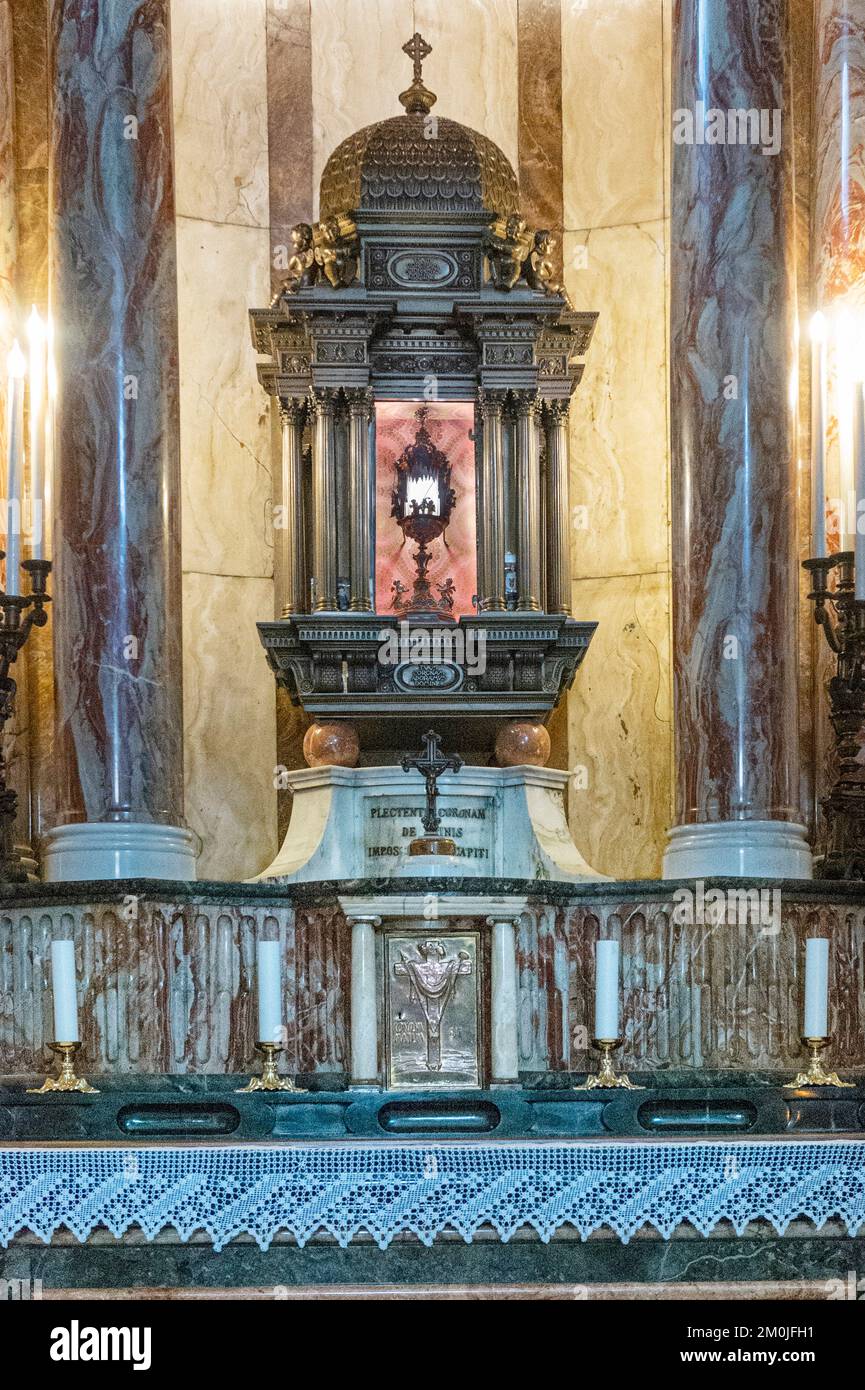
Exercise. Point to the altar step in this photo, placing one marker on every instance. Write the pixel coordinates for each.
(778, 1290)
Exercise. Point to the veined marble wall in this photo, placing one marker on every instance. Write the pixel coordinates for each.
(219, 62)
(616, 122)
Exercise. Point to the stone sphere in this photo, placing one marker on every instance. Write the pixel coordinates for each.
(333, 744)
(522, 741)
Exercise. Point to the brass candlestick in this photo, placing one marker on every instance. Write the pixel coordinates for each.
(816, 1075)
(270, 1080)
(607, 1075)
(67, 1080)
(19, 614)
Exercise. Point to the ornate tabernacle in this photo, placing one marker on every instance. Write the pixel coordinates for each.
(424, 361)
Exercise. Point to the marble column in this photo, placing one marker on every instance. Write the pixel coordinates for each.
(838, 228)
(528, 504)
(360, 464)
(364, 1006)
(16, 735)
(295, 598)
(323, 403)
(733, 497)
(503, 1006)
(558, 518)
(838, 145)
(117, 619)
(491, 505)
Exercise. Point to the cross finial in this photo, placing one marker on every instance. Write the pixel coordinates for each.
(417, 98)
(417, 49)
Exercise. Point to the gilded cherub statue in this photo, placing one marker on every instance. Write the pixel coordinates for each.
(303, 270)
(336, 250)
(508, 244)
(538, 266)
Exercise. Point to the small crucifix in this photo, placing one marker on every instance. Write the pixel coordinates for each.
(431, 764)
(417, 49)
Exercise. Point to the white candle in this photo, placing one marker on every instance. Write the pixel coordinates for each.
(269, 992)
(38, 352)
(859, 481)
(607, 990)
(816, 987)
(818, 435)
(65, 998)
(14, 466)
(50, 441)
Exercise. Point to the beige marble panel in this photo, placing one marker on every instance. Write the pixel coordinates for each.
(358, 69)
(219, 79)
(612, 101)
(229, 715)
(473, 65)
(225, 451)
(8, 209)
(619, 454)
(620, 726)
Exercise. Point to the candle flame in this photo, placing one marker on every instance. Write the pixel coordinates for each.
(819, 327)
(36, 328)
(16, 362)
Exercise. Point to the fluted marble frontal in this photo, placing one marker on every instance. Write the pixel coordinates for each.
(733, 458)
(117, 546)
(167, 979)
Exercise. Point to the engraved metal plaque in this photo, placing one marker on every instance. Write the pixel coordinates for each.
(432, 994)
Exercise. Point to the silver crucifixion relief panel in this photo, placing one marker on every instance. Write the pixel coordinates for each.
(432, 992)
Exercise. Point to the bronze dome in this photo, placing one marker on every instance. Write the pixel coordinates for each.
(418, 163)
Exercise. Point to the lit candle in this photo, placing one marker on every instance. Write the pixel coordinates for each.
(816, 987)
(818, 435)
(65, 998)
(607, 990)
(17, 368)
(859, 476)
(269, 992)
(38, 345)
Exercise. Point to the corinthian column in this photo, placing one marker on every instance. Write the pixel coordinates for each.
(491, 509)
(733, 460)
(360, 405)
(323, 403)
(528, 504)
(117, 627)
(558, 537)
(295, 598)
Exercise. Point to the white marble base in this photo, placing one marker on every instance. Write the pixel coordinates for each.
(109, 850)
(358, 823)
(741, 849)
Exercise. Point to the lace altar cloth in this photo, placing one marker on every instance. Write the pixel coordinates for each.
(386, 1188)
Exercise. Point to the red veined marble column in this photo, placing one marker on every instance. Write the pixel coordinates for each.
(119, 752)
(839, 153)
(735, 564)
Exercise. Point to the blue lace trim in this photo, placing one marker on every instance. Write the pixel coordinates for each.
(386, 1189)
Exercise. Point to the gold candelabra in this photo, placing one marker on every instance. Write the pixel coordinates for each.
(815, 1073)
(270, 1079)
(67, 1080)
(607, 1076)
